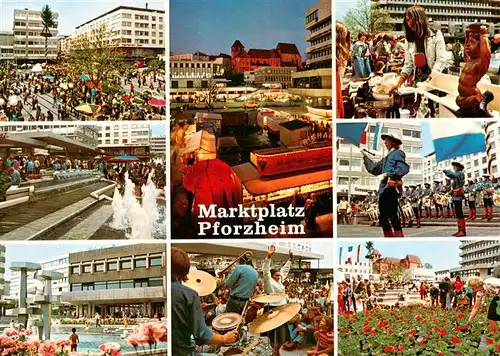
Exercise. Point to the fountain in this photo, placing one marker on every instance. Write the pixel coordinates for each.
(141, 219)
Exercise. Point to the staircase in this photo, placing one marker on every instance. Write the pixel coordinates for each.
(390, 297)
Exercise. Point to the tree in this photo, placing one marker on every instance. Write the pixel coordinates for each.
(208, 92)
(399, 275)
(367, 17)
(370, 248)
(97, 55)
(155, 66)
(48, 23)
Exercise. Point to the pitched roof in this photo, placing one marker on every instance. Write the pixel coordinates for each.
(376, 252)
(263, 53)
(414, 259)
(237, 43)
(242, 54)
(287, 48)
(294, 124)
(391, 260)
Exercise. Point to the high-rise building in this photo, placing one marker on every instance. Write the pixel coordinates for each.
(54, 264)
(125, 139)
(6, 46)
(314, 81)
(476, 165)
(139, 32)
(350, 159)
(479, 257)
(87, 134)
(450, 16)
(29, 44)
(158, 145)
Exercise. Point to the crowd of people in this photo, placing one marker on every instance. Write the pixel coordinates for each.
(311, 330)
(138, 172)
(27, 96)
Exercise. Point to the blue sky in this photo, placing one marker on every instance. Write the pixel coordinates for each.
(342, 6)
(212, 26)
(427, 145)
(37, 251)
(71, 13)
(440, 254)
(324, 248)
(158, 130)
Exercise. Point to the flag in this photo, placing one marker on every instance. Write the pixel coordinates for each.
(451, 141)
(349, 254)
(340, 255)
(352, 132)
(376, 135)
(358, 249)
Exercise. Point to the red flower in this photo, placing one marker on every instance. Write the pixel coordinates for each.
(442, 332)
(419, 318)
(498, 348)
(413, 332)
(400, 349)
(389, 349)
(490, 341)
(366, 329)
(460, 316)
(440, 354)
(455, 340)
(373, 332)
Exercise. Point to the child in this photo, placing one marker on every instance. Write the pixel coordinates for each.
(324, 338)
(74, 340)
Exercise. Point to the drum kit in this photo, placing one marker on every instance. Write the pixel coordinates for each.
(206, 284)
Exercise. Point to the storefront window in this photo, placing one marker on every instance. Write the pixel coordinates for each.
(77, 287)
(100, 285)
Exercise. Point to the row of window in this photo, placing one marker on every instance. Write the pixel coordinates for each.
(192, 65)
(313, 16)
(125, 141)
(125, 284)
(453, 10)
(321, 53)
(321, 26)
(113, 265)
(322, 39)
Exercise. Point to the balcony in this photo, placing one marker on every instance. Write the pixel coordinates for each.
(318, 46)
(318, 33)
(127, 295)
(319, 59)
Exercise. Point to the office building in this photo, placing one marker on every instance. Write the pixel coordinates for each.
(29, 44)
(350, 167)
(158, 145)
(6, 46)
(139, 32)
(479, 257)
(118, 281)
(314, 82)
(450, 16)
(195, 71)
(476, 165)
(273, 77)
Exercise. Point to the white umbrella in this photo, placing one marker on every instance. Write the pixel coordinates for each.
(37, 68)
(64, 86)
(13, 100)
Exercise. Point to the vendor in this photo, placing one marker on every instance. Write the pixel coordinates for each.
(426, 49)
(489, 288)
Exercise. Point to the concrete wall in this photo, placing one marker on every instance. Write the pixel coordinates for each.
(114, 296)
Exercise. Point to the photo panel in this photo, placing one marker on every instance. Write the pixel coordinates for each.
(88, 181)
(82, 60)
(252, 297)
(407, 59)
(407, 178)
(251, 119)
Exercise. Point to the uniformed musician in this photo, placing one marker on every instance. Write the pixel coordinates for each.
(438, 207)
(428, 193)
(393, 167)
(446, 190)
(471, 192)
(457, 177)
(415, 200)
(488, 191)
(421, 193)
(405, 199)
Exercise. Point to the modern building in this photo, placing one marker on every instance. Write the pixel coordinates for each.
(363, 269)
(284, 55)
(479, 257)
(3, 286)
(139, 32)
(63, 44)
(273, 77)
(450, 16)
(86, 134)
(6, 46)
(195, 72)
(125, 139)
(29, 44)
(314, 82)
(54, 264)
(350, 166)
(422, 274)
(476, 165)
(158, 145)
(301, 245)
(117, 281)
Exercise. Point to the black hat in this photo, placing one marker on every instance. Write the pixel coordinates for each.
(458, 165)
(486, 176)
(437, 181)
(393, 137)
(412, 186)
(428, 184)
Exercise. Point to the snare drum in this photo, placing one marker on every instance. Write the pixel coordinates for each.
(252, 345)
(227, 322)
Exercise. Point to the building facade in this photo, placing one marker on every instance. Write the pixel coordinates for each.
(273, 76)
(450, 16)
(6, 46)
(284, 55)
(350, 160)
(191, 71)
(119, 281)
(86, 134)
(29, 45)
(361, 269)
(314, 82)
(139, 32)
(158, 145)
(476, 165)
(3, 287)
(125, 139)
(63, 44)
(54, 264)
(479, 257)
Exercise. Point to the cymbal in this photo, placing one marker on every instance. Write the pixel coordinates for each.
(268, 298)
(202, 282)
(274, 318)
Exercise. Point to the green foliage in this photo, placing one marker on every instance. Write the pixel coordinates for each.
(457, 50)
(399, 275)
(155, 65)
(47, 17)
(367, 17)
(370, 248)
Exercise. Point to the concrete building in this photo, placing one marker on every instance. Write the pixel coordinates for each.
(139, 32)
(63, 44)
(349, 158)
(475, 164)
(422, 274)
(479, 257)
(450, 16)
(314, 82)
(3, 286)
(85, 134)
(271, 77)
(117, 281)
(54, 264)
(192, 71)
(29, 45)
(158, 145)
(363, 269)
(6, 46)
(125, 139)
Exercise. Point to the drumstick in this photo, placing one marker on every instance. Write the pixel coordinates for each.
(370, 153)
(250, 347)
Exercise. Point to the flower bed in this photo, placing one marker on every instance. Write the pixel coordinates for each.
(416, 330)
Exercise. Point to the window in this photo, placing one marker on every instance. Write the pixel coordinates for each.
(112, 266)
(140, 263)
(99, 285)
(175, 84)
(190, 84)
(125, 264)
(87, 269)
(76, 287)
(126, 284)
(75, 269)
(87, 286)
(99, 267)
(156, 282)
(155, 261)
(113, 285)
(344, 162)
(141, 283)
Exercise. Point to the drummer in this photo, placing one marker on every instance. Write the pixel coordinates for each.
(427, 193)
(273, 284)
(457, 192)
(187, 315)
(242, 282)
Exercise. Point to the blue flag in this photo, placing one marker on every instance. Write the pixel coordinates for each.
(351, 132)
